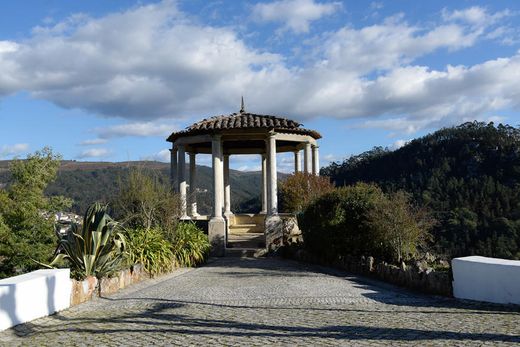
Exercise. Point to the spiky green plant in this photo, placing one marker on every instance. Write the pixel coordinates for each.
(97, 249)
(151, 249)
(190, 245)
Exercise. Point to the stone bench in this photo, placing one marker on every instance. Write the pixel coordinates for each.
(486, 279)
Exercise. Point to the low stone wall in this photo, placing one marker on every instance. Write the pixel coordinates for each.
(413, 276)
(83, 291)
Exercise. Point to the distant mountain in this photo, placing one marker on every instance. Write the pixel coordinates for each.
(86, 182)
(469, 176)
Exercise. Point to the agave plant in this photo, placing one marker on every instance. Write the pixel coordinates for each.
(97, 249)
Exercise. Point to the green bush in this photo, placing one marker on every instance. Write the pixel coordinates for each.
(190, 245)
(361, 220)
(151, 249)
(97, 250)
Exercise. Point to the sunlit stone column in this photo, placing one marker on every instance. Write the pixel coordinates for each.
(182, 179)
(272, 177)
(264, 184)
(227, 188)
(193, 185)
(217, 224)
(297, 161)
(307, 160)
(173, 168)
(315, 160)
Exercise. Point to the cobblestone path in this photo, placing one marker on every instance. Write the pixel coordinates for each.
(244, 302)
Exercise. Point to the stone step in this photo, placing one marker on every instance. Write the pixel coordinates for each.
(245, 252)
(252, 225)
(234, 229)
(245, 236)
(246, 240)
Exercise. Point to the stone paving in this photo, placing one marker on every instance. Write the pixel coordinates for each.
(256, 302)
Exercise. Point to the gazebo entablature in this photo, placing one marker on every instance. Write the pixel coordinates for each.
(236, 134)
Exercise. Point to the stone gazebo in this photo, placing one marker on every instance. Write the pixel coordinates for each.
(236, 134)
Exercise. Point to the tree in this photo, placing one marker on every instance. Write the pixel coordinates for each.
(26, 234)
(398, 228)
(144, 201)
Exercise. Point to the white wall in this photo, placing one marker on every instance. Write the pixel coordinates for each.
(486, 279)
(33, 295)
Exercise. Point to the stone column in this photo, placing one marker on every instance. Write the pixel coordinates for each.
(315, 160)
(193, 183)
(227, 188)
(173, 168)
(272, 177)
(297, 161)
(182, 180)
(264, 184)
(307, 160)
(217, 224)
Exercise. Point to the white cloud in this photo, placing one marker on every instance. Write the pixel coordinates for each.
(122, 65)
(144, 63)
(13, 150)
(475, 15)
(93, 142)
(135, 129)
(163, 155)
(399, 143)
(94, 153)
(296, 15)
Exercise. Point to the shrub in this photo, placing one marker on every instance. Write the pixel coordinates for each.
(144, 201)
(190, 245)
(151, 249)
(299, 189)
(97, 250)
(361, 220)
(399, 228)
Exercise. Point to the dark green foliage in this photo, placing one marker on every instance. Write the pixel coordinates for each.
(190, 245)
(94, 248)
(149, 248)
(26, 226)
(354, 220)
(469, 176)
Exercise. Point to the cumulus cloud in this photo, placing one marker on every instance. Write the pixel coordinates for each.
(399, 143)
(94, 153)
(13, 150)
(144, 63)
(92, 142)
(141, 129)
(122, 65)
(163, 155)
(295, 15)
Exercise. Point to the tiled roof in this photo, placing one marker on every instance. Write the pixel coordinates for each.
(243, 120)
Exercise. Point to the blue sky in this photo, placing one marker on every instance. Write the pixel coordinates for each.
(109, 80)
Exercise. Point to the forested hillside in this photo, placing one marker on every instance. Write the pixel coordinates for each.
(86, 182)
(468, 176)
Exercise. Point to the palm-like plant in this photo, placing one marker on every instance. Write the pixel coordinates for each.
(97, 249)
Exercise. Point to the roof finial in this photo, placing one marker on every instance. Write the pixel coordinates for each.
(242, 109)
